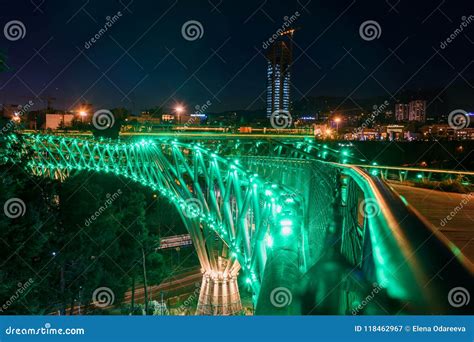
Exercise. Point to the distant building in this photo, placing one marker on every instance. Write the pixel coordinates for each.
(167, 118)
(56, 120)
(367, 134)
(184, 119)
(417, 111)
(395, 132)
(401, 112)
(279, 60)
(442, 131)
(145, 117)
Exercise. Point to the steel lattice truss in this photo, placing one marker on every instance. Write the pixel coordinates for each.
(282, 148)
(231, 214)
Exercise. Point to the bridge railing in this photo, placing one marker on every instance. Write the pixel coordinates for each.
(364, 250)
(418, 174)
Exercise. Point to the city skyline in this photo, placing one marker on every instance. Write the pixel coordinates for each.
(134, 65)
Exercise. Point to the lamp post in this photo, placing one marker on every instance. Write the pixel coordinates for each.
(337, 121)
(82, 114)
(179, 109)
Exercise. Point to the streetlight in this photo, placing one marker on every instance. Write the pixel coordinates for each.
(337, 121)
(179, 109)
(82, 114)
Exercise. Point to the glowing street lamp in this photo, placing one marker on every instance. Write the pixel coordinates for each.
(179, 109)
(337, 120)
(82, 114)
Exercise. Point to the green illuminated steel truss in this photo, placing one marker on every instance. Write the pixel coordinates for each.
(231, 214)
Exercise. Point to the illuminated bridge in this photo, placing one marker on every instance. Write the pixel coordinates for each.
(297, 223)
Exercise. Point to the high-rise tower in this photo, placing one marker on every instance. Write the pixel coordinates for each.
(280, 58)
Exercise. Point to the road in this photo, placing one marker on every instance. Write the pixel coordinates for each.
(188, 135)
(174, 286)
(437, 206)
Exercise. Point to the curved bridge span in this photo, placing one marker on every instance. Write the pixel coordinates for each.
(320, 234)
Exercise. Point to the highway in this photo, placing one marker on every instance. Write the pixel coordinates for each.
(184, 134)
(185, 283)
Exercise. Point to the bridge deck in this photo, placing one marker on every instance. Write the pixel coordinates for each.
(436, 206)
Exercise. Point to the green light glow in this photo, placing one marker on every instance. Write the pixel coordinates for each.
(269, 241)
(286, 227)
(189, 170)
(286, 230)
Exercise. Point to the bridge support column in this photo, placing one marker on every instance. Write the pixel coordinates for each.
(219, 295)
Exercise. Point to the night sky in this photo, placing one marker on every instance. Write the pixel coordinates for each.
(143, 59)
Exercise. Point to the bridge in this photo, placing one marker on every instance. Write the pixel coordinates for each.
(301, 225)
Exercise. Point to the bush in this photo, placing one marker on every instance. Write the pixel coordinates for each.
(448, 185)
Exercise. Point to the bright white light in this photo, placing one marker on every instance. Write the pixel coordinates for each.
(269, 240)
(286, 230)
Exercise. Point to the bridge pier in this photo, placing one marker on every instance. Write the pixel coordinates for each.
(219, 295)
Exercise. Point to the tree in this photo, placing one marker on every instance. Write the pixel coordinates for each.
(89, 231)
(26, 225)
(119, 115)
(156, 112)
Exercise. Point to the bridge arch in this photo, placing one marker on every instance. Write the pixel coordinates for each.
(239, 220)
(235, 218)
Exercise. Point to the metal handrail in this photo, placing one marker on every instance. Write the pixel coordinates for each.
(403, 253)
(413, 252)
(416, 169)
